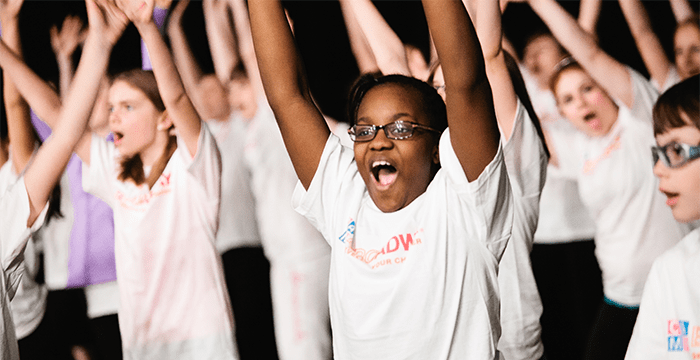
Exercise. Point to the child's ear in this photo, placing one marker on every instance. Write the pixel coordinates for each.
(436, 155)
(164, 122)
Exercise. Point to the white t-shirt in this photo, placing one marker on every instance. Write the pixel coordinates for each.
(287, 236)
(173, 298)
(29, 304)
(238, 226)
(668, 324)
(563, 217)
(14, 212)
(420, 282)
(619, 189)
(521, 306)
(672, 78)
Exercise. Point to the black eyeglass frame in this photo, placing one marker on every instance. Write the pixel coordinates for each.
(388, 128)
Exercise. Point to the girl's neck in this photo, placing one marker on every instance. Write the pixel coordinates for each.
(153, 152)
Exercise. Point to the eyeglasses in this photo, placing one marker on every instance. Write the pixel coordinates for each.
(675, 155)
(398, 130)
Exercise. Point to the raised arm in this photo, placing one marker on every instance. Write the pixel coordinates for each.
(487, 20)
(302, 126)
(608, 72)
(681, 10)
(222, 40)
(470, 113)
(588, 15)
(43, 99)
(192, 76)
(106, 26)
(648, 43)
(386, 47)
(177, 104)
(358, 42)
(19, 126)
(64, 43)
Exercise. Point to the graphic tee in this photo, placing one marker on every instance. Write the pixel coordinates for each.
(420, 282)
(618, 187)
(668, 325)
(173, 298)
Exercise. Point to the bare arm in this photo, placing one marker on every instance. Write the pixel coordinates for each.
(386, 46)
(106, 25)
(681, 10)
(19, 126)
(588, 15)
(246, 48)
(64, 43)
(222, 40)
(188, 67)
(358, 42)
(172, 91)
(487, 15)
(470, 113)
(608, 72)
(302, 126)
(647, 42)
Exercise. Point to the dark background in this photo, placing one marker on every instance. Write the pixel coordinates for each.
(323, 42)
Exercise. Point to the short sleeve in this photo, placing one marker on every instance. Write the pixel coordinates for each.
(489, 195)
(205, 166)
(336, 179)
(645, 96)
(525, 157)
(99, 176)
(14, 207)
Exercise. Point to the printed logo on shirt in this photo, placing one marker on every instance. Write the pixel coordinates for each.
(678, 335)
(590, 165)
(162, 186)
(390, 254)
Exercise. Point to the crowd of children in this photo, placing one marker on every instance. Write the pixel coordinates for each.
(480, 202)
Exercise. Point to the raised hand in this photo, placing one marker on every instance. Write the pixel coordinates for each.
(72, 34)
(106, 20)
(9, 9)
(140, 12)
(177, 12)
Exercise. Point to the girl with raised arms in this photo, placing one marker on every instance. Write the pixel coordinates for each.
(417, 215)
(22, 202)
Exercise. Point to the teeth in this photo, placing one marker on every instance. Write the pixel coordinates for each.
(380, 163)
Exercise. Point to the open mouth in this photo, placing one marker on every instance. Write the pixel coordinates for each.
(671, 198)
(117, 137)
(591, 120)
(384, 173)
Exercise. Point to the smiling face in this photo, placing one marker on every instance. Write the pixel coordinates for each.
(134, 120)
(581, 100)
(680, 185)
(395, 172)
(686, 44)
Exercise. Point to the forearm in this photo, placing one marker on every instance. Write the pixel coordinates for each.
(65, 72)
(386, 46)
(589, 12)
(43, 99)
(681, 10)
(222, 42)
(358, 42)
(473, 130)
(178, 105)
(20, 130)
(648, 43)
(53, 156)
